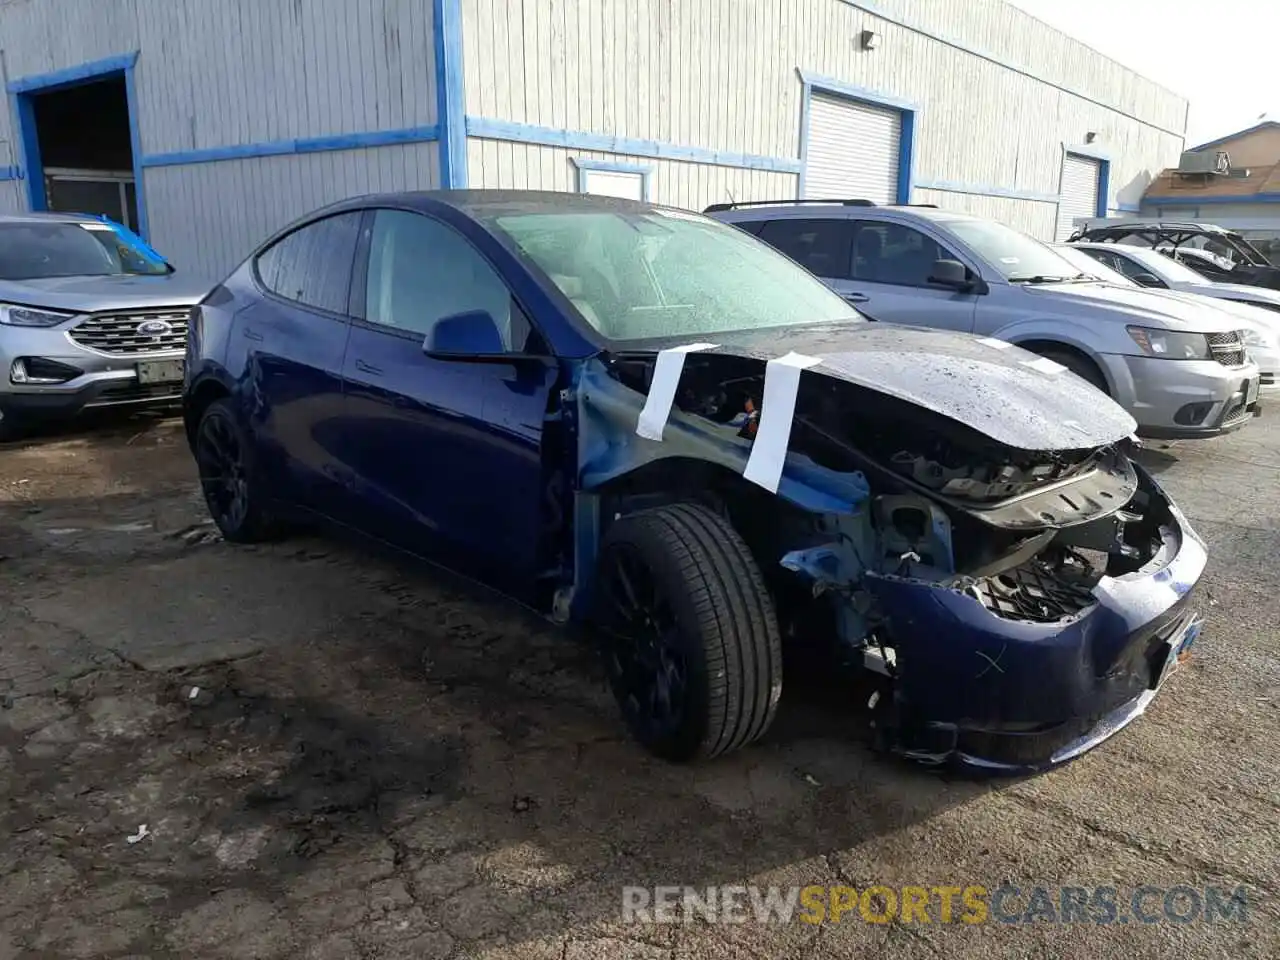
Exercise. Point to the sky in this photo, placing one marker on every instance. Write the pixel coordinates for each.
(1223, 56)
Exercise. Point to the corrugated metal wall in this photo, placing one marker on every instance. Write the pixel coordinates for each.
(524, 166)
(232, 73)
(722, 75)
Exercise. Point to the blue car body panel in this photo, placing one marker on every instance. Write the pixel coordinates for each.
(503, 471)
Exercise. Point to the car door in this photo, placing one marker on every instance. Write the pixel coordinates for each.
(889, 275)
(287, 348)
(447, 452)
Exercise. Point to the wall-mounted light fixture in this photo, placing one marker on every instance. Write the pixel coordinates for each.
(1090, 137)
(868, 39)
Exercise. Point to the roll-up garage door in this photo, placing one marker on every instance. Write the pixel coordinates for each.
(852, 151)
(1079, 193)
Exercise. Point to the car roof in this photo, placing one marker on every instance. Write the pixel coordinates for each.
(493, 202)
(1141, 254)
(1132, 225)
(835, 210)
(44, 217)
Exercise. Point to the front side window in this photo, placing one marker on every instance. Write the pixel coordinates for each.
(893, 253)
(34, 249)
(1133, 269)
(313, 264)
(1017, 257)
(820, 246)
(421, 270)
(639, 275)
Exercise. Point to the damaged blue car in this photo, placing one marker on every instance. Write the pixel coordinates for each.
(652, 424)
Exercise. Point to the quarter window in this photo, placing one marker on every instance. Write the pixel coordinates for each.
(820, 246)
(421, 270)
(313, 264)
(893, 253)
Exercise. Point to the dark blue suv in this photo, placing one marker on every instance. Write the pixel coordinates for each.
(650, 422)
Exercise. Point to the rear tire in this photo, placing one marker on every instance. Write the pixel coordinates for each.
(232, 491)
(688, 633)
(1082, 367)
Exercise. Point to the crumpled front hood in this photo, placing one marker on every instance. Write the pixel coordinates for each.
(1002, 391)
(1127, 305)
(95, 294)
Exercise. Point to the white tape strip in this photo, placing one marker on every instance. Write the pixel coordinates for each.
(1044, 365)
(662, 389)
(769, 452)
(993, 342)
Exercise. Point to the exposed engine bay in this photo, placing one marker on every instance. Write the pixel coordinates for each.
(1028, 534)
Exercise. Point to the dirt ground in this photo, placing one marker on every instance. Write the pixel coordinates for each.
(337, 755)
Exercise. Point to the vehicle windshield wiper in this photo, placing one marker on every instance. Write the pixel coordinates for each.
(1041, 278)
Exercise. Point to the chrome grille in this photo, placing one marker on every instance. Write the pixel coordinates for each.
(1227, 348)
(117, 333)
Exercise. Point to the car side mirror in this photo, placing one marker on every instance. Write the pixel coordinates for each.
(1147, 280)
(465, 336)
(950, 273)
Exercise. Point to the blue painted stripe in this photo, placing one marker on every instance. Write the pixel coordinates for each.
(488, 129)
(878, 11)
(1104, 186)
(1185, 201)
(451, 100)
(10, 173)
(73, 75)
(982, 190)
(283, 148)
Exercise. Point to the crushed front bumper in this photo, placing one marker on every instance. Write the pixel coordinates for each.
(979, 690)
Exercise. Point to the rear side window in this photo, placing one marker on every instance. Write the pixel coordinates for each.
(312, 265)
(820, 246)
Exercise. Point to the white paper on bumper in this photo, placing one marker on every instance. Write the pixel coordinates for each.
(662, 389)
(778, 406)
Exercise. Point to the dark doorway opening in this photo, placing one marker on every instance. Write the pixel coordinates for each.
(85, 148)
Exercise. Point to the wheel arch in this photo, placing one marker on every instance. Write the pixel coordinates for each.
(204, 391)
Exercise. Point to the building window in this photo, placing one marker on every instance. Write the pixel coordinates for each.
(607, 179)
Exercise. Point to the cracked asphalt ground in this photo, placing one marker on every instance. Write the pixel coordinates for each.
(339, 755)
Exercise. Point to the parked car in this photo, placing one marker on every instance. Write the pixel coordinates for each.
(89, 318)
(1216, 253)
(1259, 324)
(1179, 368)
(643, 421)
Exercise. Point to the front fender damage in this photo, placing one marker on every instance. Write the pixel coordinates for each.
(1008, 599)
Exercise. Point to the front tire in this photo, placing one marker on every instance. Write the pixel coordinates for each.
(224, 455)
(689, 636)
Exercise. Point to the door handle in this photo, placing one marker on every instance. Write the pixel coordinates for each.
(855, 297)
(251, 334)
(368, 368)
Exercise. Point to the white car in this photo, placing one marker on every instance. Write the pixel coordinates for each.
(1111, 263)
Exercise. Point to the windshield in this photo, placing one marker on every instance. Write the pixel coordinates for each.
(1094, 268)
(1018, 257)
(656, 273)
(1167, 268)
(32, 249)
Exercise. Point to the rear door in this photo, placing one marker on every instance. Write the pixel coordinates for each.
(447, 452)
(287, 348)
(822, 246)
(889, 278)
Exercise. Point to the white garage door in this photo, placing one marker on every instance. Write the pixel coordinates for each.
(852, 151)
(1079, 193)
